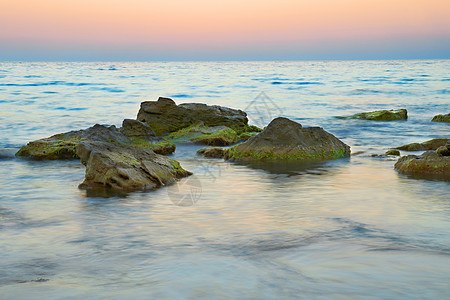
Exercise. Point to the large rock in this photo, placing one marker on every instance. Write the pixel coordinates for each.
(441, 118)
(63, 145)
(284, 139)
(428, 145)
(429, 165)
(164, 116)
(126, 168)
(381, 115)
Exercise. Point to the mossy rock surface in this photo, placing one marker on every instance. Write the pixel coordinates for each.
(126, 167)
(201, 134)
(441, 118)
(164, 116)
(63, 145)
(212, 152)
(284, 139)
(381, 115)
(428, 145)
(393, 152)
(429, 165)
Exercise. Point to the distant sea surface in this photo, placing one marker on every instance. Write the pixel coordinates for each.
(349, 228)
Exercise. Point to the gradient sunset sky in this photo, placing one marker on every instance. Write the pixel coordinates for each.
(223, 30)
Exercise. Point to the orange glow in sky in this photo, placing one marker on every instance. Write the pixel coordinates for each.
(202, 29)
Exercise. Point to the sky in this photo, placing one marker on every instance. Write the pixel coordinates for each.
(155, 30)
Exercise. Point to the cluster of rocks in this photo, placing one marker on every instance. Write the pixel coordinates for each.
(133, 157)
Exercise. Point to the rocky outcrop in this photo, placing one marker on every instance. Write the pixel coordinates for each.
(428, 145)
(165, 116)
(63, 145)
(431, 164)
(441, 118)
(381, 115)
(284, 139)
(125, 167)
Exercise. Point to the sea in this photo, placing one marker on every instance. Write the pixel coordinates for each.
(344, 229)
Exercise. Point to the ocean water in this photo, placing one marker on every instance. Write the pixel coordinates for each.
(349, 228)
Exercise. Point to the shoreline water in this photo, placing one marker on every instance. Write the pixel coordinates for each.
(340, 229)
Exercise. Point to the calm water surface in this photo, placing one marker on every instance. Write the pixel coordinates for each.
(350, 228)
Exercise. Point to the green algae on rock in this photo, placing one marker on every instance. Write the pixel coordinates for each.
(430, 165)
(201, 134)
(165, 116)
(441, 118)
(428, 145)
(125, 167)
(284, 139)
(63, 145)
(381, 115)
(213, 152)
(393, 152)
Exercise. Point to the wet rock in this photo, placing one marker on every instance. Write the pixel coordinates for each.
(126, 168)
(201, 134)
(441, 118)
(213, 152)
(165, 116)
(284, 139)
(429, 165)
(393, 152)
(381, 115)
(135, 129)
(443, 150)
(428, 145)
(63, 145)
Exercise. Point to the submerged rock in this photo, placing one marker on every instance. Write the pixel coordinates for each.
(165, 116)
(63, 145)
(125, 167)
(213, 152)
(284, 139)
(428, 145)
(441, 118)
(381, 115)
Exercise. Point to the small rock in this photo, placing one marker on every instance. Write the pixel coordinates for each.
(393, 152)
(443, 151)
(213, 152)
(429, 165)
(441, 118)
(381, 115)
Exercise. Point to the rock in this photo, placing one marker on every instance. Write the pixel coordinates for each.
(381, 115)
(428, 165)
(135, 129)
(124, 167)
(164, 116)
(213, 152)
(393, 152)
(443, 151)
(284, 139)
(441, 118)
(201, 134)
(63, 145)
(428, 145)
